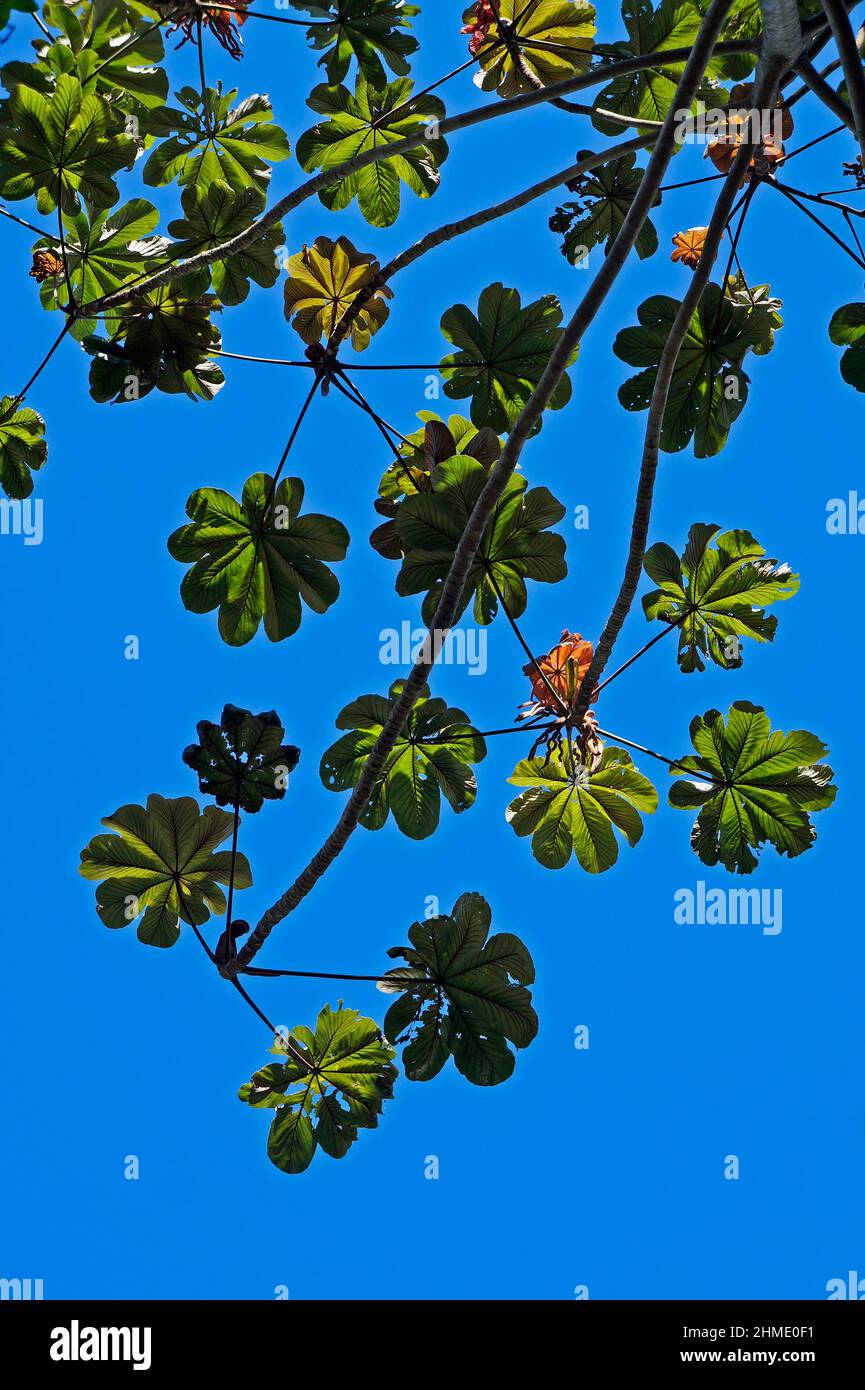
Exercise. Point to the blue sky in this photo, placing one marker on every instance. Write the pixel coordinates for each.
(602, 1167)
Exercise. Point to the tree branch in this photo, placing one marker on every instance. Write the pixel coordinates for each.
(851, 62)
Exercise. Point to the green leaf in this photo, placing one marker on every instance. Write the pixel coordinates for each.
(364, 30)
(323, 281)
(332, 1083)
(751, 787)
(212, 215)
(160, 340)
(566, 808)
(210, 139)
(554, 39)
(163, 862)
(847, 329)
(369, 119)
(433, 755)
(104, 250)
(461, 996)
(604, 199)
(59, 148)
(22, 447)
(515, 546)
(257, 558)
(242, 761)
(709, 387)
(717, 591)
(111, 47)
(501, 355)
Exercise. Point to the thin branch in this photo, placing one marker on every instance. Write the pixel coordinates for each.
(533, 660)
(49, 236)
(229, 935)
(782, 188)
(641, 748)
(671, 627)
(851, 62)
(827, 94)
(42, 365)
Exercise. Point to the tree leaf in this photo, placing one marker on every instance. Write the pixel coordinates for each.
(257, 558)
(323, 281)
(163, 862)
(554, 39)
(501, 355)
(604, 200)
(364, 30)
(242, 760)
(717, 591)
(751, 787)
(461, 995)
(515, 546)
(214, 213)
(433, 755)
(332, 1083)
(211, 139)
(58, 148)
(569, 809)
(22, 447)
(368, 119)
(160, 340)
(111, 47)
(847, 329)
(709, 387)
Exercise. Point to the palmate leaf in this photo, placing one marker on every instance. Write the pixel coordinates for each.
(569, 810)
(332, 1083)
(433, 755)
(718, 590)
(257, 558)
(366, 31)
(709, 387)
(554, 38)
(214, 213)
(242, 761)
(111, 47)
(501, 354)
(61, 148)
(211, 139)
(751, 786)
(162, 862)
(161, 340)
(461, 996)
(515, 546)
(104, 250)
(604, 200)
(367, 119)
(323, 281)
(23, 448)
(434, 443)
(847, 330)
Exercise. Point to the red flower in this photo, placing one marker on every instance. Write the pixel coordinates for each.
(563, 668)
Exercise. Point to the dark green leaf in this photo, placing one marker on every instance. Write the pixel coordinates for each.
(604, 200)
(242, 760)
(22, 447)
(161, 339)
(847, 329)
(214, 213)
(364, 30)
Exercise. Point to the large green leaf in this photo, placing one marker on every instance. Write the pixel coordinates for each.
(604, 198)
(515, 546)
(718, 590)
(364, 30)
(104, 250)
(433, 755)
(22, 447)
(58, 148)
(160, 340)
(257, 558)
(323, 281)
(332, 1083)
(709, 387)
(751, 787)
(163, 862)
(461, 995)
(212, 214)
(847, 329)
(554, 38)
(501, 354)
(566, 808)
(242, 761)
(368, 119)
(209, 139)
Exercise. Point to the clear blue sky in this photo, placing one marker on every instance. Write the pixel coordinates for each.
(601, 1167)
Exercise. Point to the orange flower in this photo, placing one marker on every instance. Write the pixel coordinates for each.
(722, 152)
(563, 667)
(688, 246)
(46, 266)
